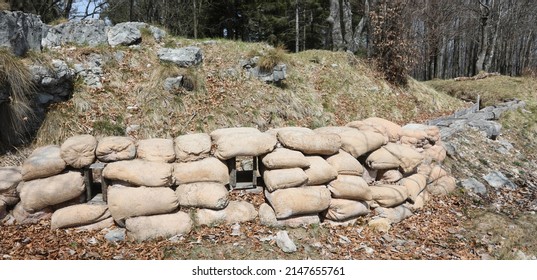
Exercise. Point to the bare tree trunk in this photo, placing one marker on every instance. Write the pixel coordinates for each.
(347, 23)
(67, 10)
(297, 28)
(485, 30)
(334, 19)
(195, 18)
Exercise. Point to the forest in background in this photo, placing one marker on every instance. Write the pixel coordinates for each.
(426, 39)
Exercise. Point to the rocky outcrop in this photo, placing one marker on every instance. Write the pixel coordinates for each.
(277, 74)
(85, 32)
(20, 32)
(183, 57)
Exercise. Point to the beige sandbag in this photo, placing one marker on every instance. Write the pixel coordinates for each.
(156, 149)
(24, 217)
(319, 172)
(381, 225)
(421, 131)
(345, 164)
(284, 158)
(298, 201)
(420, 201)
(432, 172)
(203, 195)
(395, 214)
(205, 170)
(191, 147)
(115, 148)
(350, 187)
(367, 126)
(357, 143)
(151, 227)
(370, 175)
(443, 186)
(393, 129)
(126, 202)
(393, 156)
(40, 193)
(267, 217)
(333, 129)
(274, 131)
(3, 209)
(79, 151)
(389, 175)
(436, 153)
(10, 177)
(389, 195)
(43, 162)
(414, 184)
(140, 172)
(344, 209)
(218, 133)
(79, 215)
(235, 212)
(246, 144)
(310, 143)
(106, 223)
(284, 178)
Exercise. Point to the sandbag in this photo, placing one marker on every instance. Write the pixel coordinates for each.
(389, 195)
(333, 129)
(126, 202)
(345, 164)
(205, 170)
(151, 227)
(389, 175)
(421, 132)
(235, 212)
(442, 186)
(24, 217)
(370, 175)
(344, 209)
(298, 201)
(79, 215)
(267, 217)
(282, 158)
(357, 143)
(350, 187)
(156, 149)
(310, 143)
(319, 172)
(106, 223)
(246, 144)
(43, 162)
(436, 153)
(79, 151)
(203, 195)
(40, 193)
(140, 172)
(284, 178)
(218, 133)
(395, 156)
(395, 214)
(115, 148)
(191, 147)
(392, 129)
(420, 201)
(432, 172)
(10, 177)
(414, 184)
(274, 131)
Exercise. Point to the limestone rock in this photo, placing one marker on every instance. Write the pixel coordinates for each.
(43, 162)
(474, 186)
(85, 32)
(79, 151)
(40, 193)
(183, 57)
(125, 34)
(20, 32)
(284, 242)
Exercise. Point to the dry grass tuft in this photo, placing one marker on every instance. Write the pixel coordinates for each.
(271, 58)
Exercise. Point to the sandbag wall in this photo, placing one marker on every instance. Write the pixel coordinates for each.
(332, 174)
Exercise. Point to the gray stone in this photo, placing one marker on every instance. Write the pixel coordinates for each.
(116, 235)
(505, 147)
(474, 186)
(91, 32)
(284, 242)
(497, 179)
(53, 84)
(125, 33)
(158, 34)
(279, 73)
(173, 83)
(20, 32)
(183, 57)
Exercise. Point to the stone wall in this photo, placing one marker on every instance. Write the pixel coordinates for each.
(161, 187)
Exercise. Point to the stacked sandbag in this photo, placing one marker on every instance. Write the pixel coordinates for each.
(393, 155)
(115, 148)
(242, 141)
(156, 149)
(10, 177)
(79, 151)
(43, 162)
(379, 125)
(235, 212)
(439, 180)
(140, 172)
(165, 225)
(192, 147)
(79, 215)
(354, 141)
(420, 135)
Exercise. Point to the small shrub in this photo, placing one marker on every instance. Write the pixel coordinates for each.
(273, 56)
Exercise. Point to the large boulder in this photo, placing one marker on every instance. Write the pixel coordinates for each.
(267, 217)
(156, 149)
(350, 187)
(89, 32)
(284, 178)
(343, 209)
(191, 147)
(125, 34)
(206, 170)
(40, 193)
(298, 201)
(235, 212)
(166, 225)
(115, 148)
(183, 57)
(310, 143)
(140, 172)
(79, 215)
(345, 164)
(20, 32)
(319, 172)
(79, 151)
(53, 83)
(245, 144)
(126, 202)
(203, 195)
(43, 162)
(282, 158)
